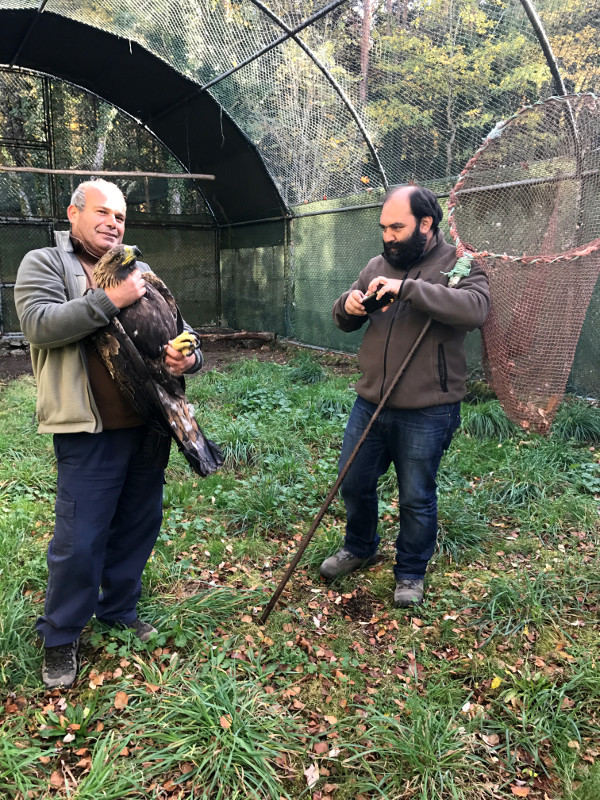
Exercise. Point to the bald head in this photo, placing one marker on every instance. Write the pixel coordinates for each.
(407, 224)
(421, 201)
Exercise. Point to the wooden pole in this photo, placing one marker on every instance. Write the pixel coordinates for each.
(107, 173)
(266, 336)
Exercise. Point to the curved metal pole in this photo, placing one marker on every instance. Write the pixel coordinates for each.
(22, 43)
(538, 27)
(560, 89)
(344, 97)
(284, 37)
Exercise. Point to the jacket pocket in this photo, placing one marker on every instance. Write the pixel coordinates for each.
(442, 368)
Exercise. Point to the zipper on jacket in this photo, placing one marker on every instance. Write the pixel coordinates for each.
(385, 352)
(442, 368)
(389, 333)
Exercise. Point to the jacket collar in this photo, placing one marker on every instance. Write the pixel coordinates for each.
(63, 241)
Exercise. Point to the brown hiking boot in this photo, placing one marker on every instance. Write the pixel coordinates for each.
(60, 665)
(408, 593)
(343, 563)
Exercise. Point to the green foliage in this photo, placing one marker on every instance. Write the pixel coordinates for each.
(486, 420)
(424, 750)
(586, 476)
(577, 421)
(383, 702)
(228, 729)
(304, 368)
(536, 714)
(512, 604)
(462, 530)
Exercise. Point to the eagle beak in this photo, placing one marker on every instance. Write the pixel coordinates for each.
(132, 254)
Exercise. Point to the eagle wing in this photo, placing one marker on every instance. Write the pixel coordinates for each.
(131, 348)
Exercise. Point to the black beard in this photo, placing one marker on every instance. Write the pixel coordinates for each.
(404, 254)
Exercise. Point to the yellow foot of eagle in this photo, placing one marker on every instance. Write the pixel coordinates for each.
(187, 343)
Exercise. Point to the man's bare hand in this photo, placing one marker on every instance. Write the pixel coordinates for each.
(383, 286)
(128, 291)
(353, 304)
(176, 361)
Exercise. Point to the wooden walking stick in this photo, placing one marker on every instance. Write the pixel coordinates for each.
(305, 541)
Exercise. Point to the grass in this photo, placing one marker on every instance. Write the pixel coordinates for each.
(489, 690)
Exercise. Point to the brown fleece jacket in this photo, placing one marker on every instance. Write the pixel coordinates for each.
(438, 370)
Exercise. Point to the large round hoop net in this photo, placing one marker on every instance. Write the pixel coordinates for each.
(527, 205)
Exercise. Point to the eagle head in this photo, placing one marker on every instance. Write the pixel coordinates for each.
(115, 265)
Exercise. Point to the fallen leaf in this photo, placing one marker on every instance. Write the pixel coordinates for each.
(225, 721)
(121, 700)
(493, 739)
(96, 679)
(520, 791)
(57, 780)
(312, 775)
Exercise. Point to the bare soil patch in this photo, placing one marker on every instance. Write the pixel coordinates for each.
(217, 354)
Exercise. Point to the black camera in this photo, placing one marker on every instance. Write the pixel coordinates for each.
(370, 302)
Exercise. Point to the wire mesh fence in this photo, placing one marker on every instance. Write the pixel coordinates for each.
(255, 280)
(370, 94)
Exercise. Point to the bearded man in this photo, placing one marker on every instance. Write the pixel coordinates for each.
(417, 423)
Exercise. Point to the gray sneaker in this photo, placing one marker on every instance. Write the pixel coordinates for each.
(60, 665)
(143, 630)
(408, 593)
(343, 563)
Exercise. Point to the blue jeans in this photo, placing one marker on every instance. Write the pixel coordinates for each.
(414, 440)
(108, 516)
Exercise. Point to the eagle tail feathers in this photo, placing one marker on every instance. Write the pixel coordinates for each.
(202, 454)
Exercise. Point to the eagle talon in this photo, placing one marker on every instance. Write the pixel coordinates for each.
(187, 343)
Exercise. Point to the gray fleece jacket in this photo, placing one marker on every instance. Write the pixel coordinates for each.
(437, 372)
(56, 315)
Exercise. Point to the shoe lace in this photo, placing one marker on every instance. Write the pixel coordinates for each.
(407, 583)
(61, 657)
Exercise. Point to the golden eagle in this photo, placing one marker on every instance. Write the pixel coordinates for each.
(131, 347)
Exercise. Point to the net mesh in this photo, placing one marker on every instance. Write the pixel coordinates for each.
(425, 78)
(528, 205)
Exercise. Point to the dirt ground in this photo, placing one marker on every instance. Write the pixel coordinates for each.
(216, 354)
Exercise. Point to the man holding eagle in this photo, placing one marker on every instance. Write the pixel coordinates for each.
(108, 349)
